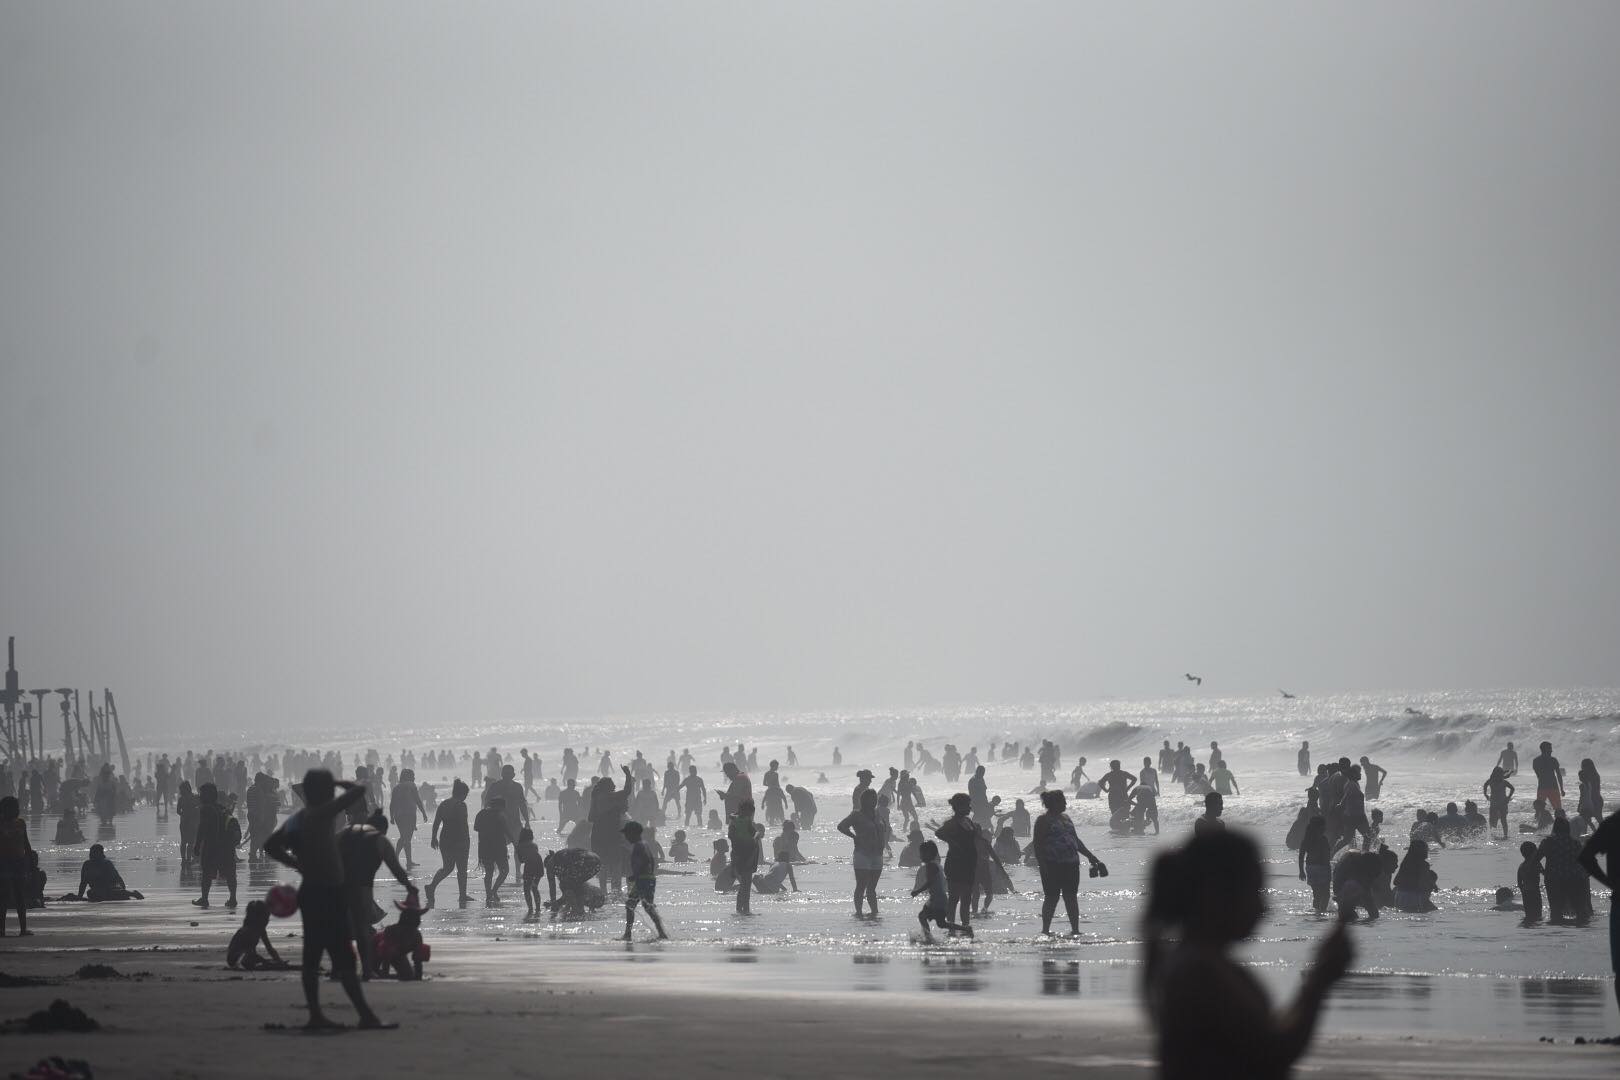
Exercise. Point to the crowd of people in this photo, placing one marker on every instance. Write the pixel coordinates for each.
(339, 834)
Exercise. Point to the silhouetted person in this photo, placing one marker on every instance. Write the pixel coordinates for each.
(1569, 893)
(218, 836)
(365, 850)
(404, 804)
(869, 833)
(1315, 862)
(450, 837)
(1415, 881)
(1604, 841)
(1212, 1015)
(694, 797)
(99, 880)
(243, 951)
(1498, 790)
(936, 909)
(493, 839)
(1304, 760)
(307, 842)
(961, 836)
(643, 882)
(1210, 821)
(744, 852)
(1530, 881)
(1057, 851)
(1549, 777)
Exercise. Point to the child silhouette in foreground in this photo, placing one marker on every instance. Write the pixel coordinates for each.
(936, 909)
(399, 948)
(531, 867)
(643, 881)
(1530, 881)
(243, 951)
(1213, 1016)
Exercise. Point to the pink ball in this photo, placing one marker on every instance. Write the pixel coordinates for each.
(282, 900)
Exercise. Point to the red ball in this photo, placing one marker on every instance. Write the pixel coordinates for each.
(282, 900)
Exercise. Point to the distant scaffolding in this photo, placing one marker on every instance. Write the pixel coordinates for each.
(24, 742)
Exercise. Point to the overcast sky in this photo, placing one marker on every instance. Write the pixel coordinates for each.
(407, 361)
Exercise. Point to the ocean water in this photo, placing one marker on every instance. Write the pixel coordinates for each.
(1464, 968)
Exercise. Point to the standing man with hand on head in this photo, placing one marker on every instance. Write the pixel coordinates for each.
(307, 842)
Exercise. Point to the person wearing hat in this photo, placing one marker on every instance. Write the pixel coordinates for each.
(865, 778)
(399, 949)
(643, 881)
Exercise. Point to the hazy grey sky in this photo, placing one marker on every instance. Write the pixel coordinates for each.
(402, 361)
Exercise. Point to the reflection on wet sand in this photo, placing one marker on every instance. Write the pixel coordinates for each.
(1060, 977)
(952, 973)
(1537, 1006)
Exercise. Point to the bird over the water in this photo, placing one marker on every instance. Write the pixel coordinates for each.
(1199, 679)
(1285, 693)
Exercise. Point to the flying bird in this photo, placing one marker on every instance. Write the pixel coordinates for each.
(1285, 694)
(1199, 679)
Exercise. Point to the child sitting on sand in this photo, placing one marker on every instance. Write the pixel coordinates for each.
(243, 950)
(678, 850)
(399, 948)
(770, 882)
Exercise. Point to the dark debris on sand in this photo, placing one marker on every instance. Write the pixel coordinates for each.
(55, 1068)
(107, 971)
(59, 1017)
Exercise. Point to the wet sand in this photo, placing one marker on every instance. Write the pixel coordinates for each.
(179, 1012)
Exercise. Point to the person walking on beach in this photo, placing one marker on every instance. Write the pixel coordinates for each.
(865, 828)
(218, 836)
(307, 842)
(1212, 1016)
(404, 803)
(1604, 841)
(493, 840)
(451, 839)
(1304, 758)
(1508, 761)
(514, 806)
(643, 882)
(1057, 852)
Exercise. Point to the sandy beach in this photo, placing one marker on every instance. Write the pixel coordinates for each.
(175, 1010)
